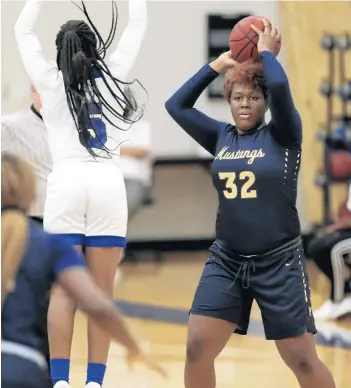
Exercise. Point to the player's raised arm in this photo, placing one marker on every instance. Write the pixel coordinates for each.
(42, 73)
(180, 106)
(287, 126)
(123, 58)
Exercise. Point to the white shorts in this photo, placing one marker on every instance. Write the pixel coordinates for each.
(87, 204)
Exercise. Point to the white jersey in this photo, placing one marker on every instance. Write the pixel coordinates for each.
(62, 132)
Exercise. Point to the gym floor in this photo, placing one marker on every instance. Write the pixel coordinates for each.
(156, 299)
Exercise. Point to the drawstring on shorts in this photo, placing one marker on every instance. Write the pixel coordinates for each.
(245, 268)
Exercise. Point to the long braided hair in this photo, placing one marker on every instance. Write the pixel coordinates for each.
(80, 57)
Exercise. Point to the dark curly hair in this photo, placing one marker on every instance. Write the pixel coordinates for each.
(247, 73)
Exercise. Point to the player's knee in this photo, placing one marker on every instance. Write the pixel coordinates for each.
(305, 365)
(301, 363)
(195, 350)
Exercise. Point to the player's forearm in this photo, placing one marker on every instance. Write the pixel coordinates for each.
(129, 45)
(79, 284)
(110, 320)
(187, 95)
(281, 104)
(277, 81)
(203, 129)
(28, 18)
(137, 14)
(41, 73)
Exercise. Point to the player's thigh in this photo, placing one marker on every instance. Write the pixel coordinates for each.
(107, 212)
(281, 289)
(219, 296)
(103, 262)
(65, 205)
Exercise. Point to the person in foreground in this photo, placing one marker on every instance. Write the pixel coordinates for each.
(24, 133)
(258, 251)
(32, 261)
(83, 102)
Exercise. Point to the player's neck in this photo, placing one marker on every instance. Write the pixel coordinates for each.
(256, 128)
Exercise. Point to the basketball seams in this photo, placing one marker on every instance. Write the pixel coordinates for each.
(246, 36)
(252, 51)
(242, 36)
(242, 49)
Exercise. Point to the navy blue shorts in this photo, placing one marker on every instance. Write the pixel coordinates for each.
(279, 285)
(17, 372)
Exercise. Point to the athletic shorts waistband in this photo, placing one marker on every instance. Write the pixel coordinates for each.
(286, 247)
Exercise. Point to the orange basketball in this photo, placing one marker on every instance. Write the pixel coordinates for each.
(243, 39)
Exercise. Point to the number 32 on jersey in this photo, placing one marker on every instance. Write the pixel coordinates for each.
(231, 185)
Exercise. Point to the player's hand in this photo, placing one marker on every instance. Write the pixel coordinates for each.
(140, 356)
(224, 62)
(268, 38)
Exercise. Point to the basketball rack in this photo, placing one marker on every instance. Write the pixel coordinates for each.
(336, 134)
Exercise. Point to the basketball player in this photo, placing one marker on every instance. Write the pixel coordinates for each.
(24, 133)
(31, 260)
(258, 252)
(82, 106)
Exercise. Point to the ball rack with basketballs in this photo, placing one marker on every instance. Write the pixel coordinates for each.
(336, 135)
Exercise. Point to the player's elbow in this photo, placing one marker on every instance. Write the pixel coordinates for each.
(172, 107)
(19, 28)
(21, 33)
(168, 105)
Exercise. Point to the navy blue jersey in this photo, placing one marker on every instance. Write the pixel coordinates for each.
(45, 258)
(256, 173)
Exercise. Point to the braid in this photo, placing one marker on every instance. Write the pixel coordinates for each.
(80, 57)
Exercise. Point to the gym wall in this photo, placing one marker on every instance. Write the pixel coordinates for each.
(303, 25)
(175, 47)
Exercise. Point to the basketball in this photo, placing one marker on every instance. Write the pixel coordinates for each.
(243, 39)
(340, 164)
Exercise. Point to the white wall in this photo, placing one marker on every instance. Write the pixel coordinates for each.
(175, 47)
